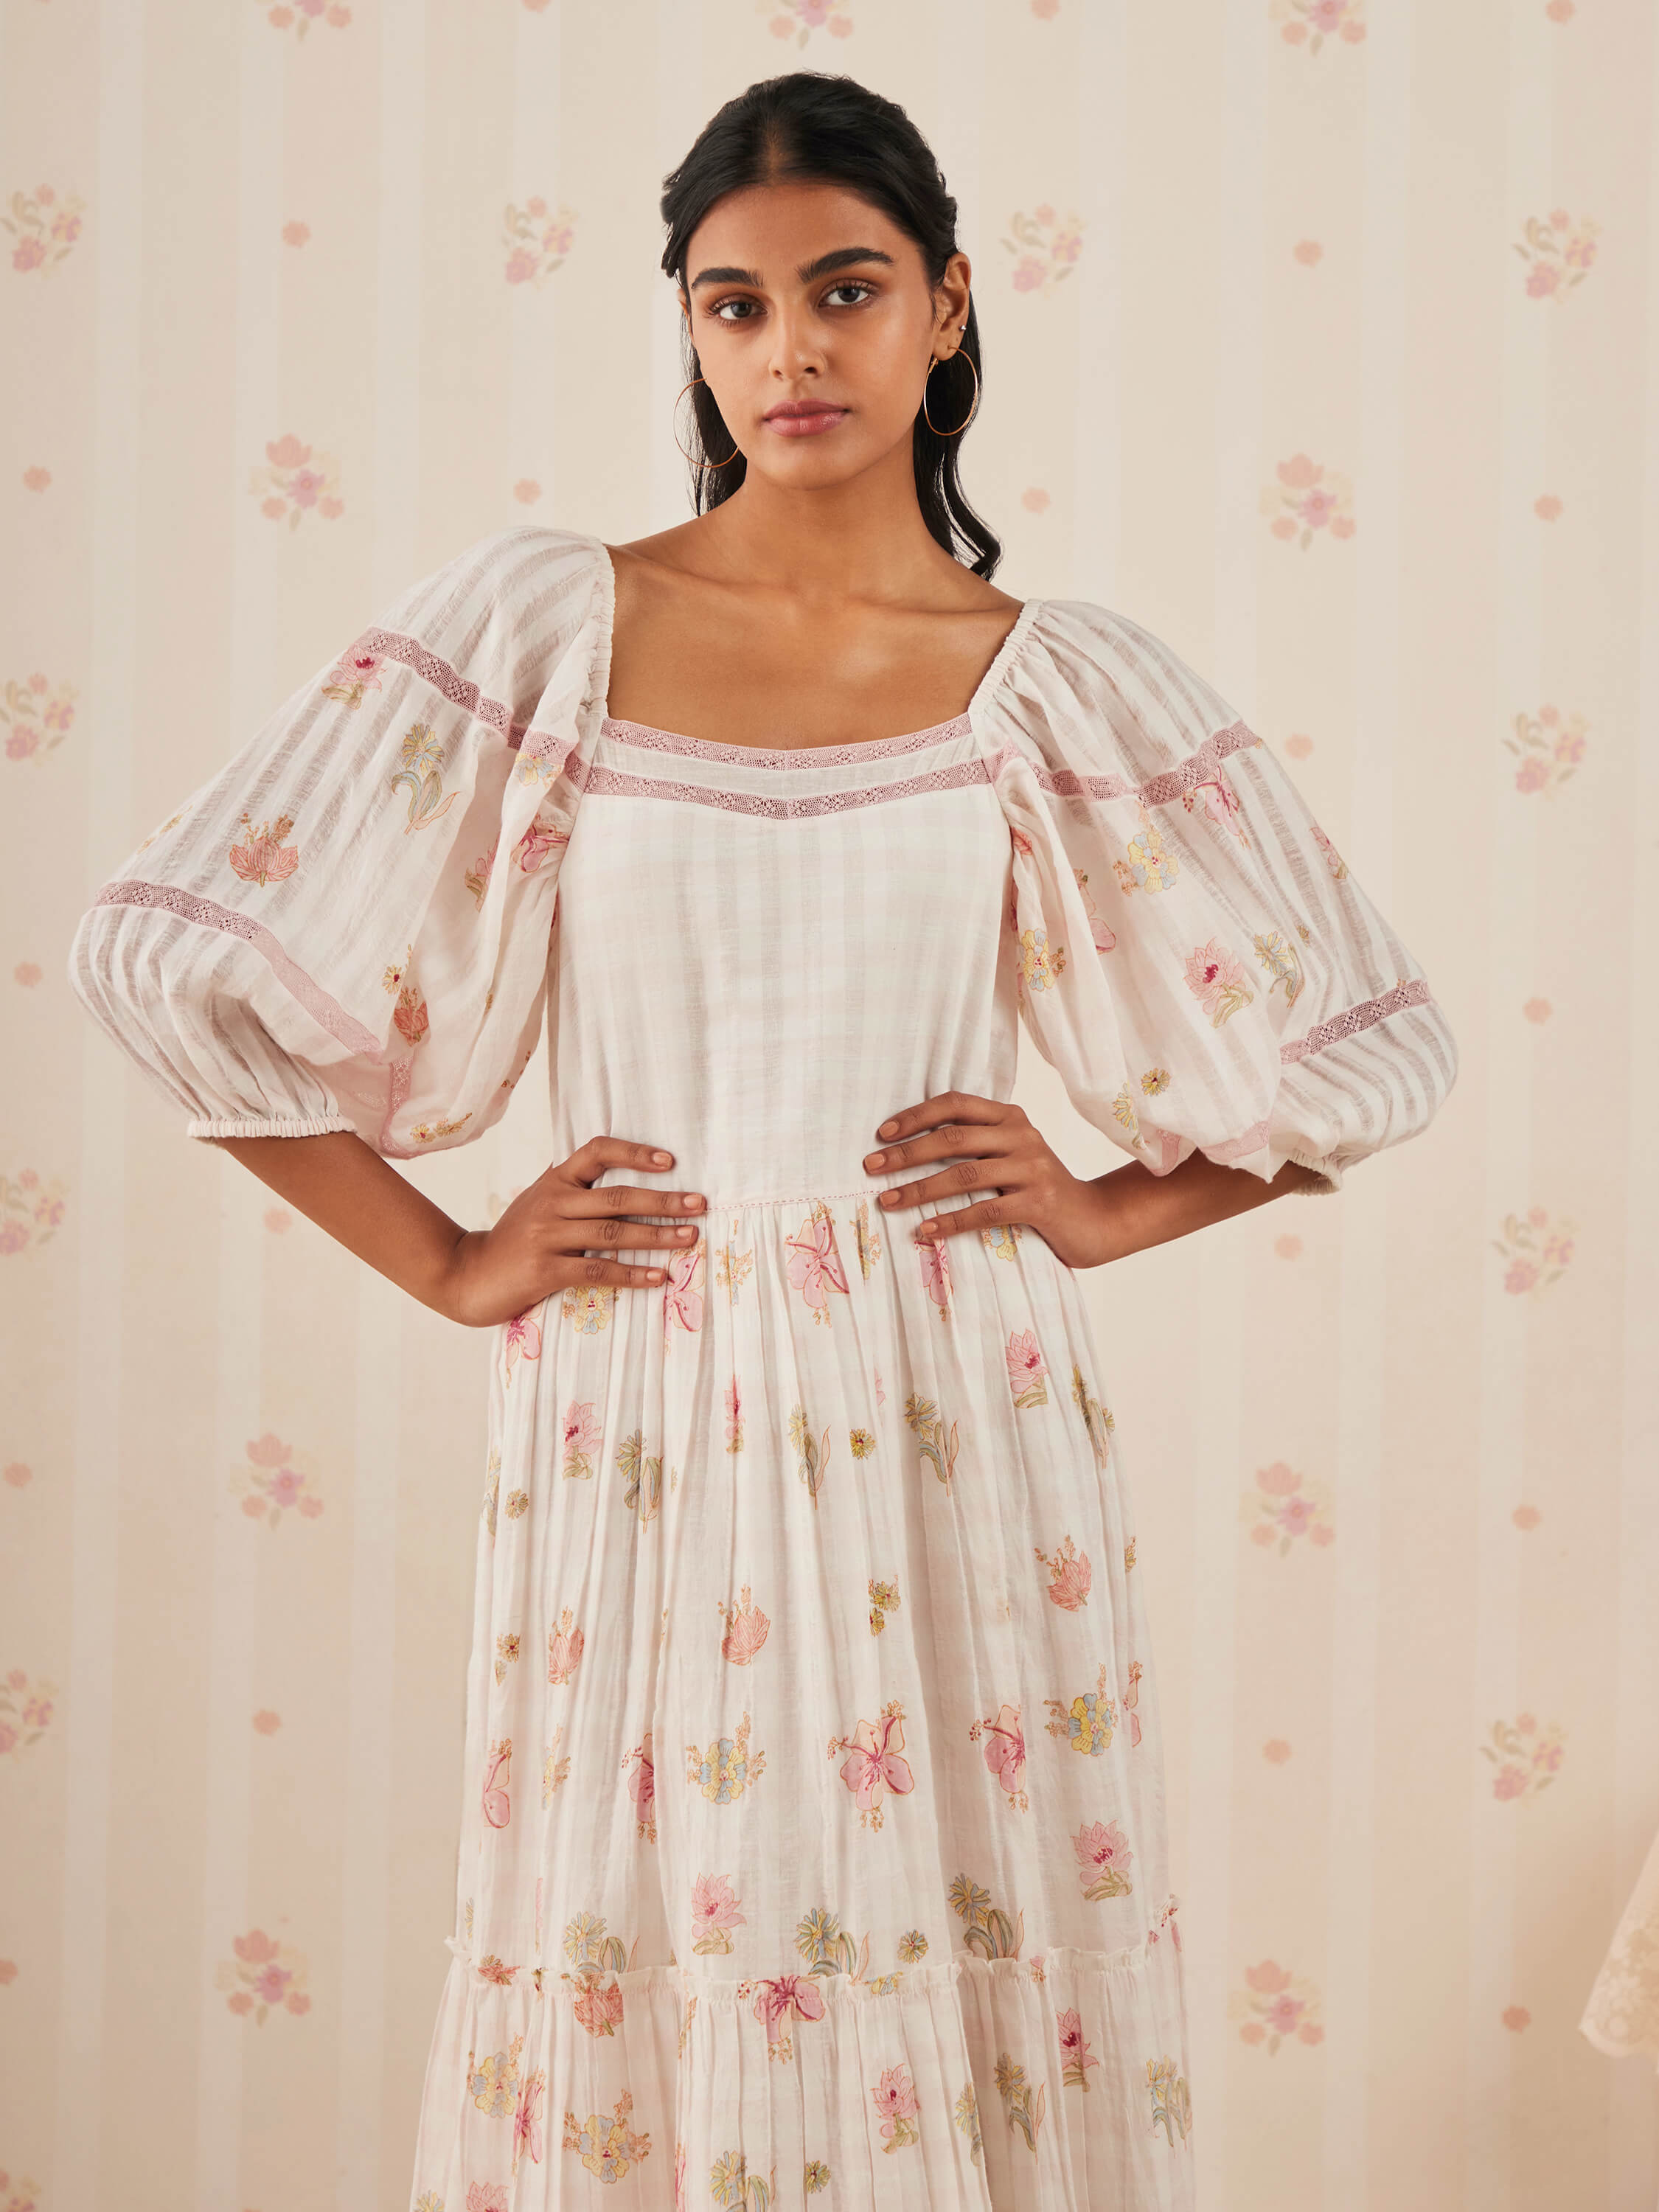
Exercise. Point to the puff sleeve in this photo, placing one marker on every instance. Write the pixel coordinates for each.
(1192, 955)
(347, 926)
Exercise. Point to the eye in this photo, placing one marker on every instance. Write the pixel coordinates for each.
(718, 310)
(852, 285)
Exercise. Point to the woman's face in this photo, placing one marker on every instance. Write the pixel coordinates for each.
(815, 326)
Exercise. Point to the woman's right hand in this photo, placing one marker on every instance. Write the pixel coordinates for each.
(535, 1250)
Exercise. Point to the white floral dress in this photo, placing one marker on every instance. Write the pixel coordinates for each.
(813, 1844)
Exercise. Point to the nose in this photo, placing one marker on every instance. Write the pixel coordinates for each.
(795, 350)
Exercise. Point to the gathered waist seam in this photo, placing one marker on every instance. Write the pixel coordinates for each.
(871, 1190)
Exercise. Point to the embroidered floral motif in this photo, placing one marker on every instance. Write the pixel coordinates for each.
(588, 1309)
(733, 1416)
(1041, 965)
(867, 1239)
(746, 1628)
(1148, 865)
(725, 1770)
(262, 858)
(421, 759)
(523, 1339)
(1155, 1081)
(682, 1296)
(1097, 1419)
(1104, 941)
(426, 1133)
(965, 2113)
(988, 1931)
(1334, 860)
(732, 1269)
(1124, 1114)
(1217, 981)
(641, 1476)
(815, 1267)
(1216, 798)
(1027, 1373)
(1283, 963)
(507, 1651)
(583, 1433)
(873, 1766)
(353, 677)
(476, 877)
(1103, 1856)
(1071, 1576)
(1075, 2055)
(884, 1600)
(642, 1759)
(565, 1644)
(715, 1913)
(606, 2146)
(1087, 1723)
(555, 1770)
(812, 1453)
(1131, 1699)
(497, 1807)
(777, 2002)
(411, 1018)
(1172, 2103)
(1005, 1752)
(940, 1448)
(1022, 2102)
(934, 1257)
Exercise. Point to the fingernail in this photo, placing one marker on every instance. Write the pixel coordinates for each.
(662, 1159)
(887, 1128)
(686, 1232)
(875, 1159)
(888, 1198)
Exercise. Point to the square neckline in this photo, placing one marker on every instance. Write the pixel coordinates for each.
(1012, 643)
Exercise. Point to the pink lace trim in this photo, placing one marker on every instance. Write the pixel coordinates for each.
(1352, 1019)
(619, 784)
(433, 669)
(784, 757)
(206, 913)
(1158, 791)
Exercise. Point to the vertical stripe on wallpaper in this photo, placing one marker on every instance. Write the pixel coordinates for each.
(1634, 2176)
(359, 2063)
(680, 116)
(228, 1909)
(1498, 1678)
(1217, 1437)
(1362, 1319)
(96, 1467)
(1102, 108)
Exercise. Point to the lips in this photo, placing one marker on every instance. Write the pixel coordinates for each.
(798, 418)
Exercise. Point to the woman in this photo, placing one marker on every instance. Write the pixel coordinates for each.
(814, 1835)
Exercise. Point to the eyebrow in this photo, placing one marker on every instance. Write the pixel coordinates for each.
(844, 257)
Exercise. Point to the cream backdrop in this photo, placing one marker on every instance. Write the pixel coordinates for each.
(1323, 339)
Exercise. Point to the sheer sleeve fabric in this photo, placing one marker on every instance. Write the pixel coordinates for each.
(1195, 957)
(347, 926)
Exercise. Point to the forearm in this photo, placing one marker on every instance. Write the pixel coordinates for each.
(1143, 1209)
(346, 1187)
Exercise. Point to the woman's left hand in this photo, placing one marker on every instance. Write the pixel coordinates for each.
(992, 1147)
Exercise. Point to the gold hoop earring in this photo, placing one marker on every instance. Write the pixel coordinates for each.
(973, 406)
(705, 463)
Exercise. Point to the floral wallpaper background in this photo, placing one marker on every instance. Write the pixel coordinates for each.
(1322, 337)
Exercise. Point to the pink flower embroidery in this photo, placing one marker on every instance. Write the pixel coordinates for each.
(524, 1336)
(1026, 1370)
(527, 2119)
(791, 1996)
(1005, 1751)
(681, 1297)
(815, 1267)
(496, 1808)
(872, 1764)
(715, 1913)
(1216, 980)
(935, 1271)
(262, 858)
(895, 2096)
(1103, 1857)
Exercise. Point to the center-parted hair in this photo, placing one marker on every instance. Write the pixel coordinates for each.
(833, 130)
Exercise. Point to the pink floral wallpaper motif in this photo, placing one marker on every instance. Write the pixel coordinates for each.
(1387, 1626)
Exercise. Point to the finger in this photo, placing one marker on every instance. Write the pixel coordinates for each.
(586, 1202)
(946, 1106)
(966, 1174)
(613, 1233)
(588, 1161)
(992, 1214)
(618, 1275)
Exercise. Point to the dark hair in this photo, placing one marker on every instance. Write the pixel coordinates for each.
(810, 124)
